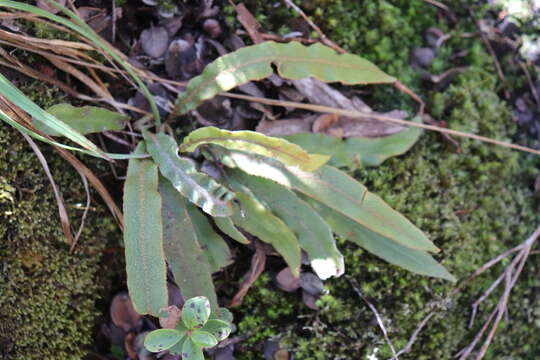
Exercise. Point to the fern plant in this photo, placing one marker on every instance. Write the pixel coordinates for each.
(268, 187)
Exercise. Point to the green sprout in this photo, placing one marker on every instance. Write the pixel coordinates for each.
(198, 329)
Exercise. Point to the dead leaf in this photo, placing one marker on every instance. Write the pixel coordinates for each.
(155, 41)
(258, 262)
(286, 281)
(123, 314)
(310, 300)
(285, 127)
(174, 315)
(320, 93)
(311, 283)
(249, 23)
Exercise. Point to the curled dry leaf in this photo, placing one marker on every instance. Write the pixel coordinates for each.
(311, 284)
(173, 317)
(123, 314)
(286, 281)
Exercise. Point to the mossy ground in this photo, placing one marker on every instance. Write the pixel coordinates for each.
(473, 203)
(47, 294)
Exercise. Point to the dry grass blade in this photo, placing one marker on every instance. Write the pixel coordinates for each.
(360, 115)
(64, 218)
(24, 120)
(85, 211)
(96, 183)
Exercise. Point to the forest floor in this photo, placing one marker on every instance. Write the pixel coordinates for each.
(474, 67)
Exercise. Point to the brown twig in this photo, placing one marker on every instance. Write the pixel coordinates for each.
(488, 46)
(358, 114)
(323, 37)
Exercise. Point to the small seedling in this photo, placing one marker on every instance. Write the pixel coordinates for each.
(198, 329)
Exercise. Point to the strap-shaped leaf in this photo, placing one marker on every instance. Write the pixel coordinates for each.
(84, 119)
(215, 249)
(251, 141)
(183, 252)
(143, 237)
(338, 191)
(357, 152)
(255, 218)
(226, 225)
(314, 235)
(416, 261)
(293, 61)
(197, 187)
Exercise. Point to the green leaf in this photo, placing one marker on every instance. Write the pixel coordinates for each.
(85, 119)
(222, 314)
(357, 152)
(197, 187)
(195, 312)
(416, 261)
(219, 328)
(191, 351)
(226, 225)
(255, 218)
(162, 339)
(183, 251)
(177, 348)
(203, 338)
(14, 95)
(314, 235)
(292, 60)
(143, 237)
(215, 249)
(338, 191)
(251, 141)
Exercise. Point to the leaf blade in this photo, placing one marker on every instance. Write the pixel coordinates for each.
(84, 119)
(413, 260)
(293, 61)
(182, 250)
(337, 190)
(197, 187)
(314, 235)
(255, 142)
(259, 221)
(143, 236)
(357, 152)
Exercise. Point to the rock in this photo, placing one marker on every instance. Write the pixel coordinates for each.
(155, 41)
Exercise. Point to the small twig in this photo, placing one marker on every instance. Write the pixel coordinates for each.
(498, 67)
(510, 275)
(438, 4)
(415, 333)
(377, 316)
(530, 82)
(323, 37)
(359, 114)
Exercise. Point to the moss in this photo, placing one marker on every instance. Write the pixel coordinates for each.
(473, 203)
(47, 294)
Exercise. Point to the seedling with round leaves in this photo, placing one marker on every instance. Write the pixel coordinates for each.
(199, 328)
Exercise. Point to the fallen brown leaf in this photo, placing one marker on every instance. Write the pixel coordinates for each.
(258, 262)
